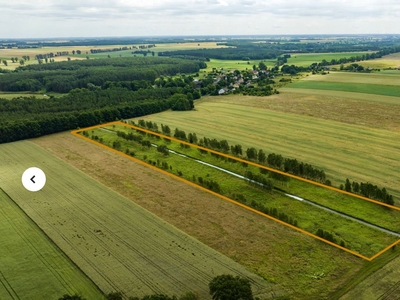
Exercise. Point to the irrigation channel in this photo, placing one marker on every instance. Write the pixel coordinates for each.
(288, 195)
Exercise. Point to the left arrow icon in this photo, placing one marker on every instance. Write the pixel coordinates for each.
(33, 179)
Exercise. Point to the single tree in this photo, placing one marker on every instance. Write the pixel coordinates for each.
(5, 62)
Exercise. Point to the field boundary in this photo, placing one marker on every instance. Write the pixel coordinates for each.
(77, 131)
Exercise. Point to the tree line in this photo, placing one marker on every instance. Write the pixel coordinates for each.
(98, 50)
(368, 190)
(330, 237)
(277, 161)
(248, 50)
(271, 211)
(31, 117)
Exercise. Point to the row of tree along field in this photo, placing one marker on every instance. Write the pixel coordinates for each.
(256, 188)
(276, 161)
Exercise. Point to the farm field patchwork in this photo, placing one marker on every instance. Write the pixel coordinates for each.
(306, 59)
(301, 265)
(390, 78)
(25, 247)
(8, 53)
(119, 245)
(376, 89)
(341, 150)
(230, 186)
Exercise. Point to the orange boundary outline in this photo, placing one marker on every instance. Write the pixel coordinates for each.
(76, 133)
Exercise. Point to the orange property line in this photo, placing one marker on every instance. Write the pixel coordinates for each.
(76, 133)
(259, 166)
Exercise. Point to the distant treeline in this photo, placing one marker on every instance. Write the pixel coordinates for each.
(248, 50)
(51, 55)
(366, 56)
(109, 49)
(64, 76)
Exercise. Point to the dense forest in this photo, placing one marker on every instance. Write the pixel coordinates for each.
(99, 91)
(64, 76)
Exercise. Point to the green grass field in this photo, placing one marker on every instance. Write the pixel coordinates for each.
(306, 59)
(118, 244)
(342, 150)
(367, 88)
(31, 266)
(390, 78)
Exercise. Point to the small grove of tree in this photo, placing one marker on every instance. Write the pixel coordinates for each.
(181, 102)
(163, 149)
(165, 129)
(228, 287)
(295, 167)
(273, 212)
(368, 190)
(180, 134)
(258, 180)
(329, 237)
(210, 184)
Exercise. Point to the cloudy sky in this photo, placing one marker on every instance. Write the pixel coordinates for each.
(90, 18)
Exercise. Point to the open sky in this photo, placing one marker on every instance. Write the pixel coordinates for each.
(90, 18)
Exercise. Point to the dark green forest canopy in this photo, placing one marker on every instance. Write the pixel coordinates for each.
(64, 76)
(99, 91)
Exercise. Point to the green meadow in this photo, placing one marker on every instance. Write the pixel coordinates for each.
(31, 265)
(306, 59)
(376, 89)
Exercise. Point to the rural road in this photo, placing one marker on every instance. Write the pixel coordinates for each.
(288, 195)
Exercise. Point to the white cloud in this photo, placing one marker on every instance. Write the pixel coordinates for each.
(179, 17)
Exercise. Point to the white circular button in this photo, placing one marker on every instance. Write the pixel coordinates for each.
(33, 179)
